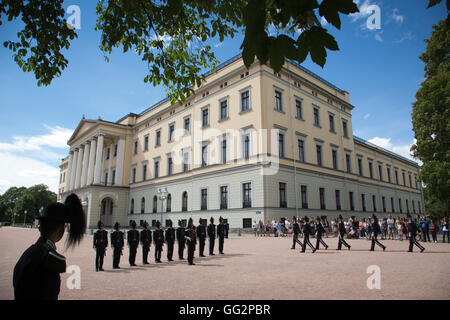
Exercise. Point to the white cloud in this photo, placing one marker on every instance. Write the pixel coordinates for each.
(406, 36)
(364, 10)
(397, 17)
(56, 138)
(366, 116)
(30, 160)
(217, 45)
(23, 171)
(323, 21)
(403, 150)
(378, 37)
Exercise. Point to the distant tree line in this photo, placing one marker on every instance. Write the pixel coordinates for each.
(17, 200)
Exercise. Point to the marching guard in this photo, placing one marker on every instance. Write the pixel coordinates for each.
(201, 234)
(211, 235)
(158, 238)
(412, 231)
(37, 272)
(133, 243)
(221, 229)
(146, 241)
(170, 240)
(320, 231)
(341, 234)
(375, 232)
(117, 244)
(295, 233)
(180, 238)
(100, 245)
(306, 232)
(191, 241)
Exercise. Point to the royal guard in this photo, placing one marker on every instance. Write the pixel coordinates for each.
(100, 245)
(158, 238)
(191, 241)
(180, 238)
(133, 243)
(146, 241)
(170, 240)
(295, 233)
(211, 235)
(320, 230)
(221, 234)
(201, 234)
(37, 273)
(306, 233)
(375, 232)
(117, 243)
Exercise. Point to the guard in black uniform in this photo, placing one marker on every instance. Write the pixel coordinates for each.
(412, 231)
(306, 233)
(227, 229)
(37, 273)
(170, 240)
(212, 236)
(221, 234)
(158, 238)
(146, 241)
(100, 245)
(319, 232)
(180, 238)
(117, 243)
(191, 241)
(133, 243)
(341, 234)
(375, 232)
(201, 234)
(295, 233)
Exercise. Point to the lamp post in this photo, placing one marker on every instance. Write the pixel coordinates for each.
(162, 194)
(24, 217)
(14, 219)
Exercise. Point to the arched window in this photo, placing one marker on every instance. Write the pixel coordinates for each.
(155, 204)
(169, 203)
(132, 206)
(142, 205)
(184, 201)
(103, 210)
(111, 204)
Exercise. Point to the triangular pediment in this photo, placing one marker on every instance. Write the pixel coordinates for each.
(82, 127)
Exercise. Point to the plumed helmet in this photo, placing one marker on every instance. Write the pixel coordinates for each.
(170, 223)
(133, 224)
(220, 219)
(116, 226)
(158, 224)
(190, 222)
(99, 224)
(212, 220)
(146, 224)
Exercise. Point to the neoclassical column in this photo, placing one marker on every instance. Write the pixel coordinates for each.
(85, 165)
(79, 167)
(98, 160)
(119, 161)
(74, 169)
(69, 171)
(90, 172)
(111, 152)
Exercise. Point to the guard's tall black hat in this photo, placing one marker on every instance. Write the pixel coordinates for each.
(170, 223)
(133, 224)
(116, 226)
(212, 220)
(71, 211)
(99, 224)
(158, 224)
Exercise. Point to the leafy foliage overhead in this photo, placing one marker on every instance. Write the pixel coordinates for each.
(171, 35)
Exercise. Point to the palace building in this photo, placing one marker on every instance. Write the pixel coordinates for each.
(248, 145)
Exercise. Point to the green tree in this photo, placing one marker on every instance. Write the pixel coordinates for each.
(18, 200)
(8, 201)
(171, 35)
(431, 120)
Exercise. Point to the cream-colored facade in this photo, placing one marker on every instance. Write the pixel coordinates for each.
(249, 145)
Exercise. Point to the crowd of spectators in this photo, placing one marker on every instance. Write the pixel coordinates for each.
(391, 228)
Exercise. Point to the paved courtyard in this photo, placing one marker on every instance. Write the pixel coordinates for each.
(252, 268)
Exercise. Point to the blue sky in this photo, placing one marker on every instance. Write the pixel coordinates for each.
(380, 69)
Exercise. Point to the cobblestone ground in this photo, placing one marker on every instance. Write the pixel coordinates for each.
(252, 268)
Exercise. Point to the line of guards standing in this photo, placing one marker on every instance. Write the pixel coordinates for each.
(185, 237)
